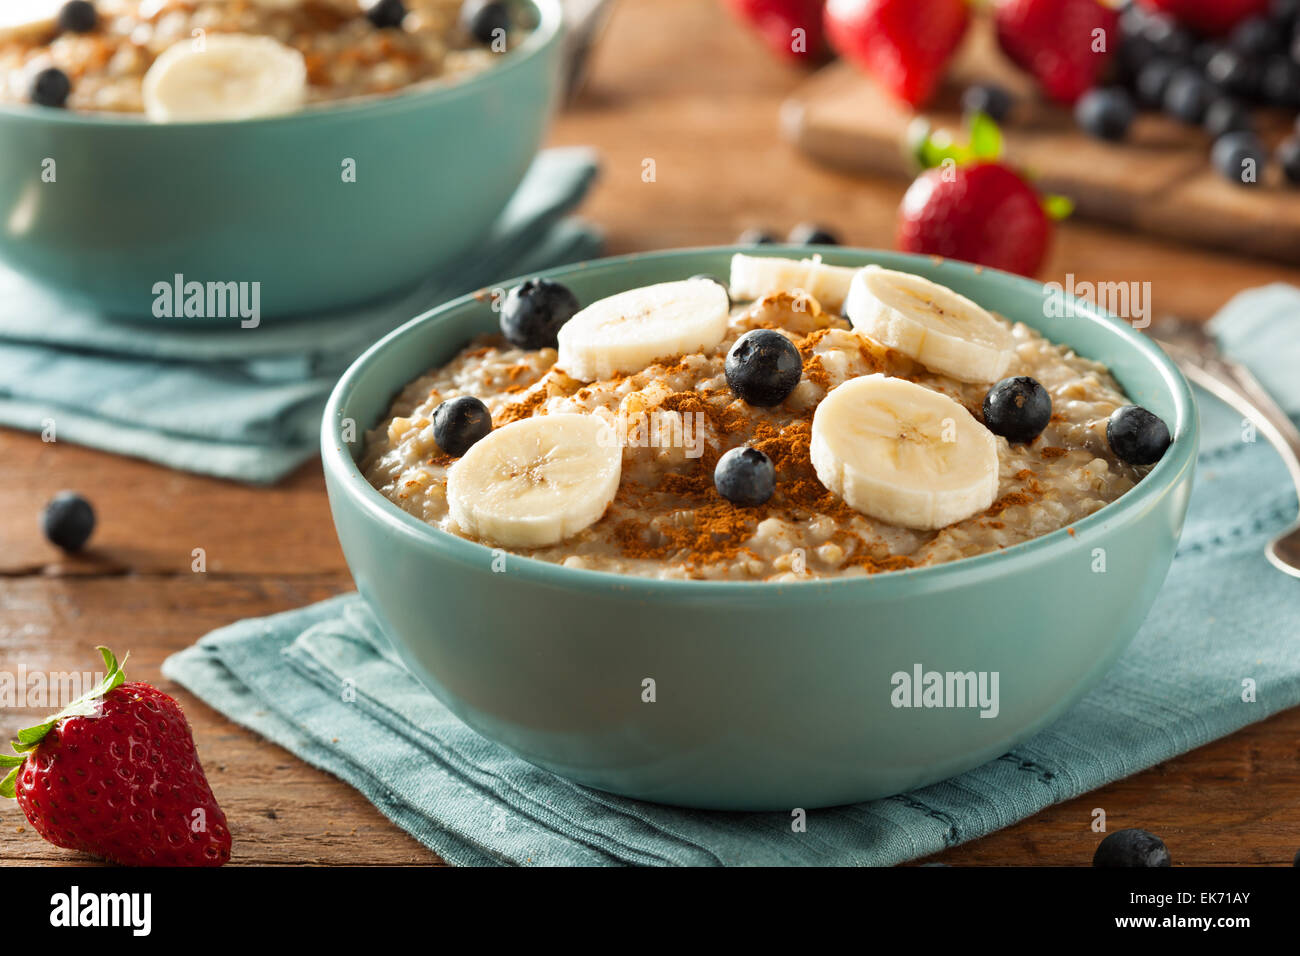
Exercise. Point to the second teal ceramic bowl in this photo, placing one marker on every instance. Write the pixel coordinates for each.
(133, 203)
(766, 696)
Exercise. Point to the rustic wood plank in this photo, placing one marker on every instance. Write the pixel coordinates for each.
(1158, 181)
(280, 810)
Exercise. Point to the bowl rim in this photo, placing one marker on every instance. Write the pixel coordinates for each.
(549, 28)
(349, 481)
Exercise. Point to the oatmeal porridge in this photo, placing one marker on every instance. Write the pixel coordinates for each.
(809, 421)
(273, 55)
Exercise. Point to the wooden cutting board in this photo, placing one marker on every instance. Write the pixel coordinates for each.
(1160, 181)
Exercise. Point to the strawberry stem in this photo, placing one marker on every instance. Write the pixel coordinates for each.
(928, 147)
(1057, 207)
(86, 705)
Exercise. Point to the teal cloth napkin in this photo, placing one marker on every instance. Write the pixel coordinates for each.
(1224, 616)
(246, 403)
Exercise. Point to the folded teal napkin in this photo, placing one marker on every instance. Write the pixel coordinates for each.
(1223, 618)
(246, 403)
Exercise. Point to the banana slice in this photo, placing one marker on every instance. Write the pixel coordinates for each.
(903, 453)
(753, 277)
(536, 481)
(230, 76)
(944, 331)
(29, 20)
(628, 331)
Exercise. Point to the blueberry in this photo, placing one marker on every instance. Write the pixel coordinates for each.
(1152, 81)
(1017, 408)
(1204, 53)
(987, 98)
(1234, 73)
(1136, 436)
(386, 13)
(1131, 848)
(68, 521)
(1283, 14)
(811, 234)
(50, 87)
(533, 312)
(1187, 96)
(459, 422)
(756, 237)
(1105, 113)
(745, 476)
(725, 288)
(1288, 157)
(1168, 38)
(763, 367)
(482, 19)
(1226, 115)
(1280, 85)
(78, 16)
(1133, 22)
(1254, 36)
(1240, 157)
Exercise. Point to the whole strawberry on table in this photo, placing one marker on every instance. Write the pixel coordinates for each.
(116, 775)
(968, 204)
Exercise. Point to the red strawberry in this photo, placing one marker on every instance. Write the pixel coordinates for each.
(1056, 42)
(116, 775)
(777, 22)
(984, 213)
(1214, 17)
(904, 44)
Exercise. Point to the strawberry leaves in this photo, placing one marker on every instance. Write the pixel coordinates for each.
(14, 761)
(87, 705)
(929, 147)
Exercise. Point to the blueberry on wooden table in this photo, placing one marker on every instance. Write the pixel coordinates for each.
(811, 234)
(386, 14)
(50, 87)
(1153, 80)
(755, 237)
(1188, 96)
(534, 311)
(78, 16)
(1131, 848)
(1240, 157)
(1280, 84)
(1226, 115)
(484, 20)
(1169, 38)
(1105, 113)
(988, 98)
(1136, 436)
(763, 367)
(1017, 408)
(745, 476)
(1255, 36)
(1234, 73)
(1288, 157)
(68, 521)
(460, 422)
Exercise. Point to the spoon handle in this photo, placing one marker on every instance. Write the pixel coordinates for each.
(1235, 385)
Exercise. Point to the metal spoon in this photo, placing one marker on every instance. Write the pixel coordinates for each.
(1200, 360)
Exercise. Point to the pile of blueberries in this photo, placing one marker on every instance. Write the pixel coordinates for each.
(1218, 84)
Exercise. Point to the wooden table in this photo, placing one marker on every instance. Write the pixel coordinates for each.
(676, 82)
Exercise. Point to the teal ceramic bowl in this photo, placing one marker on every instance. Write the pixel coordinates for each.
(767, 696)
(135, 203)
